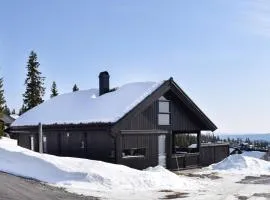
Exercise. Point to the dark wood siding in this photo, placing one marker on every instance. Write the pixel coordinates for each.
(148, 141)
(100, 145)
(52, 143)
(145, 120)
(181, 118)
(210, 154)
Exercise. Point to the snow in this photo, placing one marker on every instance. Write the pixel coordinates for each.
(14, 116)
(87, 106)
(88, 177)
(254, 154)
(239, 164)
(111, 181)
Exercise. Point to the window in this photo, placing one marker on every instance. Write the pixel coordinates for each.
(32, 147)
(134, 152)
(82, 144)
(164, 111)
(44, 144)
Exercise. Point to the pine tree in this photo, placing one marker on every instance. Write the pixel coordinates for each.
(54, 91)
(34, 83)
(22, 110)
(6, 110)
(75, 88)
(2, 106)
(13, 112)
(2, 98)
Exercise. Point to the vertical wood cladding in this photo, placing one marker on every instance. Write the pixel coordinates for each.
(144, 120)
(92, 144)
(210, 154)
(100, 145)
(181, 117)
(148, 141)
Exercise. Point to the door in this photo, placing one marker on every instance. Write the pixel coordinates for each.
(162, 150)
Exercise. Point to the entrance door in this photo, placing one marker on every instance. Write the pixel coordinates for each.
(162, 150)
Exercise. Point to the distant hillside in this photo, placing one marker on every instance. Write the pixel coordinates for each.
(265, 137)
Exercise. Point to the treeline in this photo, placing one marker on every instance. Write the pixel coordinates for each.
(34, 89)
(255, 143)
(184, 140)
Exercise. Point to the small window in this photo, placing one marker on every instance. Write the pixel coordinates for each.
(134, 152)
(163, 119)
(164, 111)
(32, 144)
(44, 144)
(164, 106)
(82, 144)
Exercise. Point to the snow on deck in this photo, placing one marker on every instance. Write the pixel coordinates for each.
(87, 176)
(87, 106)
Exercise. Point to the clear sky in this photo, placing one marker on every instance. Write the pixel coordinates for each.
(217, 51)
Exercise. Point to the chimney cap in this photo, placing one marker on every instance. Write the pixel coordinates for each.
(104, 73)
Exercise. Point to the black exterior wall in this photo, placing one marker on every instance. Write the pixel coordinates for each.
(82, 141)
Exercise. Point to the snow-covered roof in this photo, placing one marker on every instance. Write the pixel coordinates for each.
(87, 106)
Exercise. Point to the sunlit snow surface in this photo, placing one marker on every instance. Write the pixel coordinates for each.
(88, 177)
(87, 106)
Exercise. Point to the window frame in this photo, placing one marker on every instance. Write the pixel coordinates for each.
(163, 99)
(133, 150)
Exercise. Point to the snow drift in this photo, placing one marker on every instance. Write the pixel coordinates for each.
(242, 165)
(85, 176)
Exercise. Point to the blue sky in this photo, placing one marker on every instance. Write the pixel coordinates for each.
(217, 51)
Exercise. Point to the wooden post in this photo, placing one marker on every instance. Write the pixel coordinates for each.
(199, 146)
(40, 138)
(199, 140)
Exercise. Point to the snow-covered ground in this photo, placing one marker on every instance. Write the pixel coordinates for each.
(110, 181)
(90, 177)
(254, 154)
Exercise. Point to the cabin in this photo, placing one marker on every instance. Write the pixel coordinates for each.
(139, 124)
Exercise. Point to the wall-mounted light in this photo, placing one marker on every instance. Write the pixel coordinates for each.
(67, 134)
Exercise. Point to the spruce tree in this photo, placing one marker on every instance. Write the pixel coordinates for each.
(54, 91)
(6, 110)
(2, 106)
(13, 112)
(22, 110)
(34, 83)
(2, 98)
(75, 88)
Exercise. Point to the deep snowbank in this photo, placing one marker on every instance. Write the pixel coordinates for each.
(82, 175)
(242, 165)
(254, 154)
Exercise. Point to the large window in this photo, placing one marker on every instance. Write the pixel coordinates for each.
(164, 111)
(134, 152)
